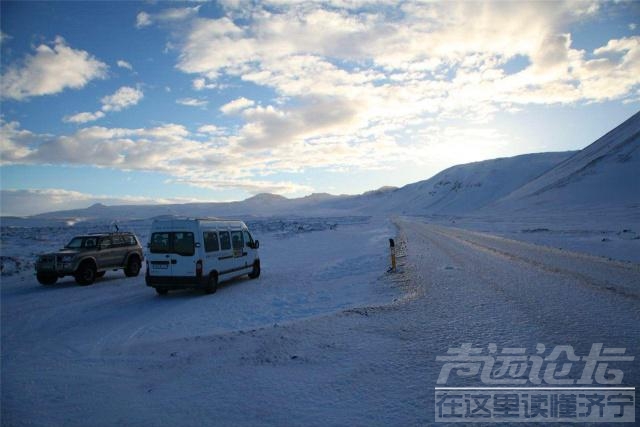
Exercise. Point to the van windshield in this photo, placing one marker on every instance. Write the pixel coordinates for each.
(180, 243)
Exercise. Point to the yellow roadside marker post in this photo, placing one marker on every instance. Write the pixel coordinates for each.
(392, 247)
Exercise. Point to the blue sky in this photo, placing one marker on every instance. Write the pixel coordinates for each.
(157, 102)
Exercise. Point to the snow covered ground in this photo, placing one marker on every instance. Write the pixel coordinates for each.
(610, 233)
(101, 352)
(323, 337)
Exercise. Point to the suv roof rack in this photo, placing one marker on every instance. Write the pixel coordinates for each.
(104, 233)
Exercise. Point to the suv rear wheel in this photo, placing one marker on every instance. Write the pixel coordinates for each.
(133, 267)
(86, 274)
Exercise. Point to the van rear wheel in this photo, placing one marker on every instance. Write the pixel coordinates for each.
(212, 284)
(162, 291)
(256, 270)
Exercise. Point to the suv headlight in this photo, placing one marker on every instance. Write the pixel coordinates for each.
(67, 258)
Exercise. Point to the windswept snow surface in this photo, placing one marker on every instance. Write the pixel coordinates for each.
(106, 353)
(323, 337)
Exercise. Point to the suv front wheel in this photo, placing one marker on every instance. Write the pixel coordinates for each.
(46, 279)
(86, 274)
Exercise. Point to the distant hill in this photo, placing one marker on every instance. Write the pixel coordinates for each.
(605, 176)
(465, 188)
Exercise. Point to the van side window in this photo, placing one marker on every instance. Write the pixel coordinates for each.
(180, 243)
(211, 241)
(183, 244)
(248, 240)
(236, 238)
(160, 243)
(225, 241)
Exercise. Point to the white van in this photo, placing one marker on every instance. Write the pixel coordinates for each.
(199, 253)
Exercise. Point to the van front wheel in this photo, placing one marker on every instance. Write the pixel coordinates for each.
(256, 270)
(212, 284)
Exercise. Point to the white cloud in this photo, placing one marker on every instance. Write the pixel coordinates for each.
(124, 97)
(15, 143)
(416, 60)
(201, 84)
(4, 37)
(211, 158)
(83, 117)
(50, 70)
(210, 129)
(270, 127)
(35, 201)
(143, 19)
(237, 105)
(250, 186)
(124, 64)
(192, 102)
(352, 86)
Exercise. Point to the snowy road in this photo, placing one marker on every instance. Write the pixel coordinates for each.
(116, 354)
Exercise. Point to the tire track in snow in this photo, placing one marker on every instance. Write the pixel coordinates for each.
(483, 242)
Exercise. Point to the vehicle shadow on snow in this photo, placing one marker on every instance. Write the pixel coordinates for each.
(238, 281)
(64, 283)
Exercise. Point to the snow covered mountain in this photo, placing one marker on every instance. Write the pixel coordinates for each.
(465, 188)
(458, 190)
(605, 175)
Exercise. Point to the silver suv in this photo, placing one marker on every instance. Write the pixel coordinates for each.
(88, 257)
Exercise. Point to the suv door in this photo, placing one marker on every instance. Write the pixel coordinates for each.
(107, 253)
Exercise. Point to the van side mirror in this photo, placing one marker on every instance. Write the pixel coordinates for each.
(256, 244)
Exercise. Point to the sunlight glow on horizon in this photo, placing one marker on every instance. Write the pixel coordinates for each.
(222, 100)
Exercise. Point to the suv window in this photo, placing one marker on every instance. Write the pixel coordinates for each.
(180, 243)
(225, 241)
(105, 243)
(211, 241)
(129, 240)
(75, 243)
